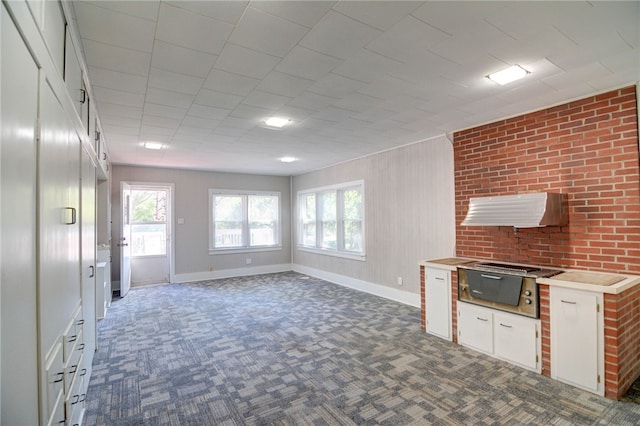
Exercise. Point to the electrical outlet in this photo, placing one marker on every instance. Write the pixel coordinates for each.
(248, 261)
(399, 280)
(210, 268)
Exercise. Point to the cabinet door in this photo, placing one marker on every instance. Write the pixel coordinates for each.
(73, 75)
(475, 327)
(575, 335)
(515, 340)
(438, 302)
(18, 115)
(88, 253)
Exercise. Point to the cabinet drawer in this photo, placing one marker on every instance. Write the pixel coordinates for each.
(74, 402)
(56, 417)
(55, 378)
(72, 366)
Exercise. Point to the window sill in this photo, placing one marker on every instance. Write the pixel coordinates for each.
(344, 255)
(243, 250)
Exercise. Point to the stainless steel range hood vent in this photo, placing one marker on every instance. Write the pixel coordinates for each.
(531, 210)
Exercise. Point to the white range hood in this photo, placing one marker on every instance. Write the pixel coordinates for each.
(530, 210)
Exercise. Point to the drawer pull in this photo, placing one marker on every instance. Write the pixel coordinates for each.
(80, 322)
(84, 371)
(505, 325)
(83, 397)
(482, 319)
(81, 347)
(74, 368)
(76, 399)
(439, 278)
(61, 378)
(568, 301)
(72, 338)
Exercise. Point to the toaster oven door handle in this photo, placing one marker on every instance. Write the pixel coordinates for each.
(491, 277)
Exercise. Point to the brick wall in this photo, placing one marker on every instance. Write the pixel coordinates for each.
(587, 149)
(622, 341)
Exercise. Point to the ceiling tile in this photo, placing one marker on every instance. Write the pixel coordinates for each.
(175, 82)
(408, 39)
(96, 23)
(312, 101)
(284, 84)
(217, 99)
(339, 36)
(118, 97)
(253, 113)
(114, 79)
(306, 13)
(188, 29)
(357, 102)
(101, 55)
(203, 123)
(208, 112)
(147, 9)
(168, 97)
(336, 86)
(115, 110)
(156, 121)
(306, 63)
(379, 14)
(367, 66)
(240, 60)
(164, 111)
(266, 100)
(267, 33)
(227, 82)
(182, 60)
(226, 11)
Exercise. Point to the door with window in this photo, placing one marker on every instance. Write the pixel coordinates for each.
(150, 234)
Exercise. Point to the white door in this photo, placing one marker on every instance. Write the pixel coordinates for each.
(150, 233)
(88, 255)
(438, 302)
(475, 327)
(574, 337)
(125, 238)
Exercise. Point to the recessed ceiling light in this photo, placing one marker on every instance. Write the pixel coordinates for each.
(153, 145)
(507, 75)
(288, 159)
(277, 121)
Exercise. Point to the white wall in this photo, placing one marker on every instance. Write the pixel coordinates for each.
(409, 217)
(191, 198)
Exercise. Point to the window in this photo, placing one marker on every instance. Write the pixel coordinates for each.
(331, 219)
(244, 220)
(148, 222)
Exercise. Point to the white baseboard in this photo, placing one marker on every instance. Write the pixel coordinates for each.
(404, 297)
(230, 273)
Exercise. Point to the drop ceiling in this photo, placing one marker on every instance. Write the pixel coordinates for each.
(354, 77)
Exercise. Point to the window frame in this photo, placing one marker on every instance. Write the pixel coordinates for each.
(318, 247)
(246, 229)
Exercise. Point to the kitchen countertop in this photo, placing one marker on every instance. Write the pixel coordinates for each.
(601, 282)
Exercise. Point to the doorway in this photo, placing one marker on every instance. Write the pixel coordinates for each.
(150, 233)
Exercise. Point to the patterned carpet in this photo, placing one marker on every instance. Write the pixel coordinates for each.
(286, 349)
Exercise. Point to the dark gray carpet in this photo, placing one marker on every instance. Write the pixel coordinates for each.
(292, 350)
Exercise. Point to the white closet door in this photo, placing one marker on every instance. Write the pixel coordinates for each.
(19, 88)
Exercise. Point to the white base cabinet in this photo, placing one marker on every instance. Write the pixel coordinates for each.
(438, 302)
(577, 338)
(510, 337)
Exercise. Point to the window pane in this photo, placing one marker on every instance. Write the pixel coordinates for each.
(263, 220)
(352, 214)
(149, 205)
(308, 213)
(227, 213)
(148, 239)
(329, 223)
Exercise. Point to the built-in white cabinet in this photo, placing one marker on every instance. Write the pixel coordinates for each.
(507, 336)
(438, 302)
(48, 219)
(577, 338)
